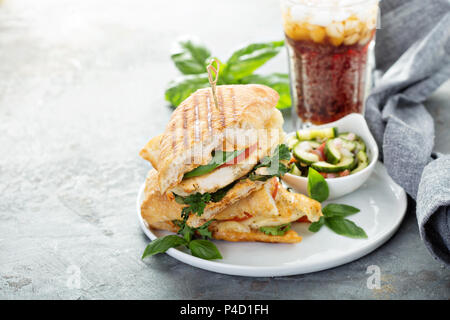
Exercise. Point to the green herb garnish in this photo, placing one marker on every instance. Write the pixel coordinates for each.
(218, 159)
(204, 249)
(196, 204)
(276, 231)
(339, 210)
(333, 218)
(201, 248)
(317, 186)
(334, 213)
(163, 244)
(192, 57)
(275, 168)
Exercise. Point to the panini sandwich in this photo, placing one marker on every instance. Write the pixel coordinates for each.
(217, 166)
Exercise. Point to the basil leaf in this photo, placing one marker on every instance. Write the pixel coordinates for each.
(219, 158)
(178, 90)
(345, 227)
(257, 177)
(204, 249)
(315, 226)
(276, 231)
(161, 245)
(191, 56)
(339, 210)
(277, 81)
(221, 193)
(244, 61)
(317, 186)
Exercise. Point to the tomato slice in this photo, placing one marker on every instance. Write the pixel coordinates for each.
(320, 151)
(247, 216)
(241, 157)
(344, 173)
(303, 219)
(275, 190)
(324, 174)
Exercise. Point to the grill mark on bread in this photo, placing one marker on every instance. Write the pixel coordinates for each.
(185, 132)
(209, 116)
(233, 104)
(197, 121)
(221, 107)
(174, 136)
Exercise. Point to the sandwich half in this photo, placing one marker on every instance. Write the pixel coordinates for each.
(244, 121)
(262, 215)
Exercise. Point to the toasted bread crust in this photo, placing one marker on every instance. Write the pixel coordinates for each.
(289, 237)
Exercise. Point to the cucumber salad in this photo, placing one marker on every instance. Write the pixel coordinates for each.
(330, 153)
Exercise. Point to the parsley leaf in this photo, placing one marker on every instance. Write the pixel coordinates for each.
(204, 231)
(276, 231)
(196, 204)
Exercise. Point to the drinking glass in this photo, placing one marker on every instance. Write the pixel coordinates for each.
(329, 43)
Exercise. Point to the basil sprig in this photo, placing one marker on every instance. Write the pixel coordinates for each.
(201, 248)
(163, 244)
(334, 213)
(191, 57)
(334, 218)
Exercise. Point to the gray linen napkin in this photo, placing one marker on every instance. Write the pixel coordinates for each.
(413, 60)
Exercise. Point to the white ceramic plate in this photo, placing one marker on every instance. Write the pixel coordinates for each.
(381, 201)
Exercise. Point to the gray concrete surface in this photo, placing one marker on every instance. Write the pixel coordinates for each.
(81, 91)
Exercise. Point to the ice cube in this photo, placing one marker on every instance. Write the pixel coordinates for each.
(299, 13)
(322, 17)
(335, 30)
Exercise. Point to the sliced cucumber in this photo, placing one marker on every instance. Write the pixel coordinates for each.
(291, 142)
(349, 145)
(294, 170)
(344, 164)
(363, 161)
(309, 134)
(345, 135)
(314, 144)
(360, 144)
(357, 141)
(331, 152)
(305, 156)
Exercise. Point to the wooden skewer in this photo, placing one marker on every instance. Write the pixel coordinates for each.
(210, 68)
